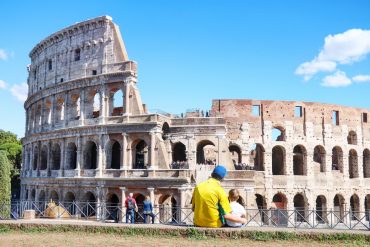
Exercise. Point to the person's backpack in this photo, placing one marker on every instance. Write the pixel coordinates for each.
(130, 204)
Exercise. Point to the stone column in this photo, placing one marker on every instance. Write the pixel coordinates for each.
(290, 211)
(100, 156)
(124, 165)
(52, 109)
(98, 203)
(250, 199)
(62, 157)
(183, 210)
(79, 162)
(66, 109)
(153, 149)
(49, 159)
(151, 191)
(123, 205)
(82, 107)
(103, 104)
(361, 213)
(29, 193)
(127, 97)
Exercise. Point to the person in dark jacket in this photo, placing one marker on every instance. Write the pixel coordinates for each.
(148, 209)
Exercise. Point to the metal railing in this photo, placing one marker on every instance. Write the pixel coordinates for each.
(163, 214)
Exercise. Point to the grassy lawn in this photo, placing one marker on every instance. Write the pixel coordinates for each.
(76, 239)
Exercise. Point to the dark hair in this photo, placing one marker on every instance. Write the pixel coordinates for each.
(216, 176)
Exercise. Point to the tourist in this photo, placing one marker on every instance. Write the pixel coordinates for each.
(210, 203)
(237, 209)
(148, 209)
(131, 208)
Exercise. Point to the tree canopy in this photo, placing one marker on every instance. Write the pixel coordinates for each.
(5, 179)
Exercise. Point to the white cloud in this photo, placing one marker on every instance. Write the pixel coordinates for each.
(3, 55)
(338, 79)
(351, 46)
(20, 91)
(3, 84)
(361, 78)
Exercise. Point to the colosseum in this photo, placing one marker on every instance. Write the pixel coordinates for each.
(89, 137)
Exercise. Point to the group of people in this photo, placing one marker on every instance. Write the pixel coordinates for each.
(132, 208)
(243, 166)
(179, 165)
(213, 207)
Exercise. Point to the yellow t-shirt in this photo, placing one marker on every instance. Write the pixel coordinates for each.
(208, 197)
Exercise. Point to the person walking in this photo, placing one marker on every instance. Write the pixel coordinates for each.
(210, 203)
(148, 209)
(131, 207)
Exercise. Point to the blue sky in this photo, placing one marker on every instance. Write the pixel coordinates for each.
(190, 51)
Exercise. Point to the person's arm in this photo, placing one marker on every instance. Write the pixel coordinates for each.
(234, 218)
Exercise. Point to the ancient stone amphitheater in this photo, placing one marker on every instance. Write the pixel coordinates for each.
(89, 137)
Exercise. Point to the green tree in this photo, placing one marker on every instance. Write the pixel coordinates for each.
(8, 137)
(5, 179)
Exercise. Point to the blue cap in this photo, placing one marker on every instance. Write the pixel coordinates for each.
(220, 171)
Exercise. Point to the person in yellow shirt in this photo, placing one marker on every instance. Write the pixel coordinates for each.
(210, 202)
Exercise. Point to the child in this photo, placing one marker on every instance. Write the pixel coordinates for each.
(236, 208)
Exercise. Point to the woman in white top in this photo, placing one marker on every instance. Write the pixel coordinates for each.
(237, 209)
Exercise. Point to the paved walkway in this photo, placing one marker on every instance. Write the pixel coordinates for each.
(53, 222)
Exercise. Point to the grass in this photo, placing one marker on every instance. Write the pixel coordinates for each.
(188, 234)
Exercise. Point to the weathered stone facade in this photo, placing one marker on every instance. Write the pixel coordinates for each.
(81, 146)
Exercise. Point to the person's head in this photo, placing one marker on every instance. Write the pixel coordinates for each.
(131, 195)
(147, 198)
(234, 195)
(219, 172)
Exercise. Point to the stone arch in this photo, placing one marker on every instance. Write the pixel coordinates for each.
(69, 197)
(96, 105)
(367, 207)
(168, 209)
(179, 152)
(35, 157)
(116, 98)
(321, 209)
(75, 107)
(279, 201)
(278, 133)
(261, 205)
(140, 154)
(44, 157)
(56, 156)
(42, 196)
(353, 164)
(300, 207)
(235, 154)
(337, 159)
(165, 131)
(205, 152)
(47, 112)
(71, 162)
(88, 204)
(339, 204)
(319, 156)
(54, 196)
(299, 160)
(113, 155)
(33, 195)
(366, 163)
(258, 155)
(355, 207)
(69, 202)
(90, 155)
(112, 204)
(278, 161)
(59, 110)
(352, 138)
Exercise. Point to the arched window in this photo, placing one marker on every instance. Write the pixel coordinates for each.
(235, 155)
(321, 209)
(339, 206)
(71, 162)
(88, 205)
(96, 106)
(319, 156)
(59, 113)
(90, 155)
(117, 103)
(355, 207)
(75, 107)
(54, 196)
(206, 152)
(278, 161)
(165, 131)
(278, 134)
(352, 138)
(258, 155)
(141, 154)
(179, 152)
(300, 208)
(366, 163)
(337, 159)
(44, 158)
(116, 156)
(299, 160)
(35, 158)
(353, 164)
(55, 152)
